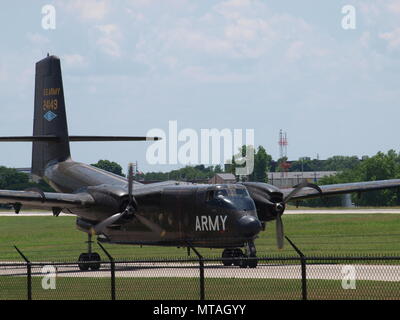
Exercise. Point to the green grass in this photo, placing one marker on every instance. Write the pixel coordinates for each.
(56, 238)
(68, 288)
(300, 207)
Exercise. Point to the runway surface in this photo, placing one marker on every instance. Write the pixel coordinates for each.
(344, 211)
(389, 273)
(287, 212)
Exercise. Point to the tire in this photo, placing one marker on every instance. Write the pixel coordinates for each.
(95, 265)
(243, 262)
(83, 266)
(252, 262)
(237, 254)
(227, 255)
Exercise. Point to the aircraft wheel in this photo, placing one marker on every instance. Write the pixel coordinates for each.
(95, 265)
(83, 266)
(252, 262)
(243, 262)
(227, 256)
(238, 253)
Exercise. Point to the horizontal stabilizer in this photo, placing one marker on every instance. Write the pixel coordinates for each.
(30, 139)
(111, 138)
(52, 138)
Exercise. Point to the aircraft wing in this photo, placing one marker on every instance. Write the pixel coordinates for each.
(46, 200)
(343, 188)
(151, 188)
(49, 200)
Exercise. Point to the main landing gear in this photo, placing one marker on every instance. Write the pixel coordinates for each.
(230, 257)
(233, 256)
(94, 257)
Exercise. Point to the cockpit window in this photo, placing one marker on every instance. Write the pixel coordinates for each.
(242, 192)
(215, 194)
(221, 193)
(210, 195)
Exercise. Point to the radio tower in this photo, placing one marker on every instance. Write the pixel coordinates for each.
(283, 143)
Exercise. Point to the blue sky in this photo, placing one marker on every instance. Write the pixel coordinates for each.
(130, 66)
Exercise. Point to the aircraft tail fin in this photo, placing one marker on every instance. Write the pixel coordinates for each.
(50, 131)
(49, 116)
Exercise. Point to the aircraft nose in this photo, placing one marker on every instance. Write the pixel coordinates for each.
(249, 226)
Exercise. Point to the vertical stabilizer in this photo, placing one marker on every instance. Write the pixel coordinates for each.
(49, 116)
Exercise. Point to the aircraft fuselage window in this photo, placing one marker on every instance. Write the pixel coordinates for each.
(210, 195)
(221, 193)
(226, 193)
(242, 192)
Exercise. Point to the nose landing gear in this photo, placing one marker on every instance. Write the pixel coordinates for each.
(230, 256)
(93, 257)
(251, 255)
(249, 258)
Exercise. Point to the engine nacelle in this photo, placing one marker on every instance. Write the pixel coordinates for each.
(260, 192)
(109, 200)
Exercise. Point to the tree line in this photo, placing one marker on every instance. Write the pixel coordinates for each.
(381, 166)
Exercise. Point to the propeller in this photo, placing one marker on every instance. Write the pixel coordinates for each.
(151, 225)
(128, 212)
(280, 208)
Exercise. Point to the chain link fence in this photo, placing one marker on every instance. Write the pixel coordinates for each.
(281, 278)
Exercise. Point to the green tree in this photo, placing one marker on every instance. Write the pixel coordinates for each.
(379, 167)
(339, 163)
(11, 179)
(262, 164)
(109, 166)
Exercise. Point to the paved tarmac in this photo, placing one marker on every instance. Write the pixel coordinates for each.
(389, 273)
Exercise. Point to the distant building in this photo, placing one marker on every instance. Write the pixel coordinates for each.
(290, 179)
(222, 178)
(28, 172)
(24, 170)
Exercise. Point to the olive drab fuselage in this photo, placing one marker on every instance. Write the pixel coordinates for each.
(196, 214)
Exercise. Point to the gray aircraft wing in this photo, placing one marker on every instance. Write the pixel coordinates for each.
(50, 200)
(46, 200)
(342, 188)
(151, 188)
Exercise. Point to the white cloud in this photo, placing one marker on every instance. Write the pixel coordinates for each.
(37, 38)
(74, 60)
(365, 39)
(295, 51)
(234, 9)
(201, 74)
(393, 38)
(88, 9)
(230, 38)
(109, 39)
(245, 34)
(394, 6)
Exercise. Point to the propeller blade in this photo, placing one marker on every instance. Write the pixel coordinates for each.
(98, 228)
(151, 225)
(130, 182)
(279, 231)
(300, 186)
(129, 210)
(281, 206)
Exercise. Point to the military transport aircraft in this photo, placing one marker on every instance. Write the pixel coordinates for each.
(123, 211)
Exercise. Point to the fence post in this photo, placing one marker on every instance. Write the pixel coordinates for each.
(303, 269)
(112, 265)
(28, 273)
(201, 266)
